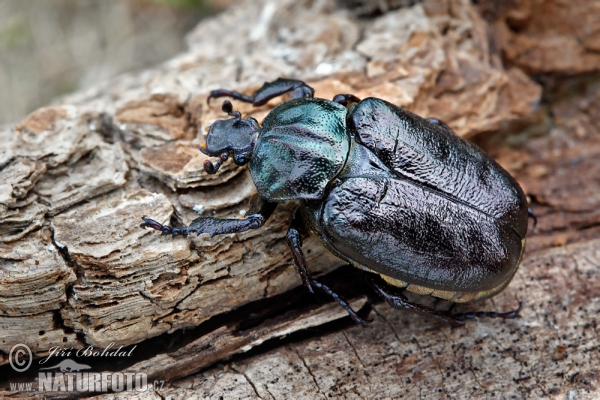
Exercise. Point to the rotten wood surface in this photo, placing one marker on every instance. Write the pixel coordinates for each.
(75, 178)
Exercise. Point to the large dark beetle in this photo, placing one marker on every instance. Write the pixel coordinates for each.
(387, 191)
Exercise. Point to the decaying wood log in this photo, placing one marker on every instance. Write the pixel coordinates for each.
(75, 178)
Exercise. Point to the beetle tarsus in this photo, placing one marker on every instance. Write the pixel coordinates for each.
(164, 229)
(340, 300)
(489, 314)
(228, 93)
(150, 223)
(532, 215)
(268, 91)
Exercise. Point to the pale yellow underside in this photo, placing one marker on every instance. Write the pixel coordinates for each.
(457, 297)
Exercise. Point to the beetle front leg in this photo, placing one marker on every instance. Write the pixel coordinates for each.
(260, 210)
(294, 240)
(268, 91)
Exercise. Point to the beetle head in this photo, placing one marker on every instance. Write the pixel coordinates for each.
(234, 136)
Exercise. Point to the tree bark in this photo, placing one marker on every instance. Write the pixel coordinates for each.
(76, 177)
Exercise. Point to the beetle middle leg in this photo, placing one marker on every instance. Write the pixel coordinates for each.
(294, 239)
(395, 298)
(259, 211)
(268, 91)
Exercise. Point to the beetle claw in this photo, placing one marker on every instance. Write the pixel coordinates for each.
(308, 286)
(532, 215)
(488, 314)
(151, 224)
(164, 229)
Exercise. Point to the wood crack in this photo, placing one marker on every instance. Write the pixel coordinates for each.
(251, 383)
(314, 378)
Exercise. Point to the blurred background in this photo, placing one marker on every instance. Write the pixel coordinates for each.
(52, 47)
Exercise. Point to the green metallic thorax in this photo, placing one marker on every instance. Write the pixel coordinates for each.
(302, 146)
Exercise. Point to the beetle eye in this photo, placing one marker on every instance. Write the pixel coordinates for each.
(239, 159)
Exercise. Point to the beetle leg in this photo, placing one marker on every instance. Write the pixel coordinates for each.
(532, 215)
(294, 240)
(267, 92)
(489, 314)
(398, 300)
(345, 99)
(340, 301)
(260, 210)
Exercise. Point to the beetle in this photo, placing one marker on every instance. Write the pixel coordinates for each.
(389, 192)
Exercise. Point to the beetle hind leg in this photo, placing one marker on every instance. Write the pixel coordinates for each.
(532, 215)
(397, 299)
(294, 240)
(489, 314)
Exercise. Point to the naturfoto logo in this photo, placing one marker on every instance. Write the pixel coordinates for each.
(68, 375)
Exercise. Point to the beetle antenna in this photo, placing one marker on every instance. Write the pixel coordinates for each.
(211, 168)
(228, 108)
